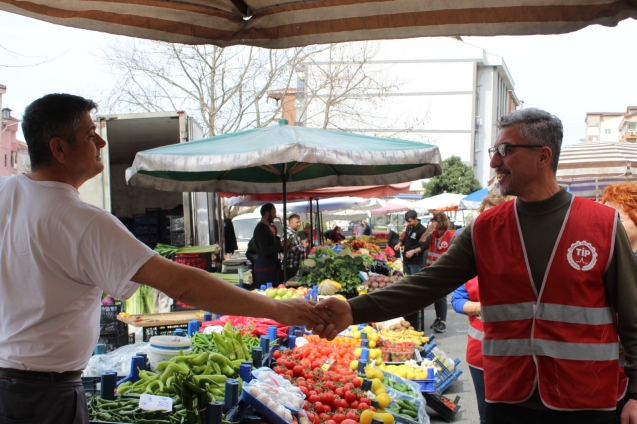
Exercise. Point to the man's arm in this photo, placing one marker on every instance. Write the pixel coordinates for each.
(408, 295)
(199, 288)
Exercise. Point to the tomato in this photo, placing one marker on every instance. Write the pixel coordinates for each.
(297, 356)
(289, 373)
(280, 370)
(280, 361)
(362, 406)
(327, 398)
(313, 398)
(350, 386)
(300, 382)
(330, 422)
(306, 405)
(318, 407)
(338, 417)
(350, 397)
(327, 409)
(351, 416)
(330, 385)
(354, 404)
(289, 364)
(365, 400)
(276, 354)
(339, 391)
(305, 391)
(340, 410)
(315, 364)
(356, 382)
(371, 408)
(350, 421)
(338, 403)
(324, 417)
(297, 370)
(312, 418)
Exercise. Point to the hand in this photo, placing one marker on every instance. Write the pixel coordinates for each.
(397, 247)
(433, 224)
(301, 312)
(340, 313)
(409, 253)
(304, 242)
(629, 413)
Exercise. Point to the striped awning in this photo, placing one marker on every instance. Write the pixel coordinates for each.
(587, 168)
(294, 23)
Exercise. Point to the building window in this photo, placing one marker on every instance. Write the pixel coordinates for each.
(6, 114)
(607, 131)
(5, 161)
(14, 160)
(632, 125)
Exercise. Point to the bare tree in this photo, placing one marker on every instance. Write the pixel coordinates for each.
(223, 88)
(345, 88)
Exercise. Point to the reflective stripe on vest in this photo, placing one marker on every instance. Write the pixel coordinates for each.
(475, 333)
(548, 312)
(559, 350)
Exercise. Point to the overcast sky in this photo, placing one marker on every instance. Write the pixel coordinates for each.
(591, 70)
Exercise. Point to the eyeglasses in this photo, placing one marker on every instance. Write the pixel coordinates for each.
(502, 148)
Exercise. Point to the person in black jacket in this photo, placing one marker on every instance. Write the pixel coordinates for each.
(267, 266)
(412, 262)
(392, 239)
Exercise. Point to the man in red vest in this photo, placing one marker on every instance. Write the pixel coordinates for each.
(558, 289)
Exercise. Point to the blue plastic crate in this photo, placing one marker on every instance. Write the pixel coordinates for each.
(426, 386)
(445, 377)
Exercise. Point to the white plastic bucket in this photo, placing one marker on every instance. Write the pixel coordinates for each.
(162, 348)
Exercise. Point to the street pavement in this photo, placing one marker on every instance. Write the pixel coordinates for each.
(454, 344)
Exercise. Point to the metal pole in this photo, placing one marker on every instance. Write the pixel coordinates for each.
(284, 179)
(311, 225)
(319, 236)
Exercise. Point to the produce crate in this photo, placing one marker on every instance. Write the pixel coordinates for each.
(196, 260)
(91, 385)
(140, 219)
(176, 223)
(445, 407)
(162, 330)
(177, 239)
(108, 318)
(112, 341)
(445, 377)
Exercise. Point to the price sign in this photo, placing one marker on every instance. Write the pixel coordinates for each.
(155, 403)
(327, 364)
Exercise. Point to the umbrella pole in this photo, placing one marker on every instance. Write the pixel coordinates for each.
(284, 179)
(319, 235)
(311, 226)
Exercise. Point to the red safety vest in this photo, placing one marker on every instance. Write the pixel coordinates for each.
(563, 338)
(476, 329)
(434, 253)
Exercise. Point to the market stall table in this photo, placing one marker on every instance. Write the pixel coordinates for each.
(161, 324)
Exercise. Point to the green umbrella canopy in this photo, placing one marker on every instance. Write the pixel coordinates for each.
(257, 160)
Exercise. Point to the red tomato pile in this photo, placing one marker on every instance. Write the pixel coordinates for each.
(341, 350)
(331, 397)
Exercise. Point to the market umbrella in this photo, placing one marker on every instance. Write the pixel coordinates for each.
(440, 201)
(389, 208)
(473, 200)
(281, 157)
(587, 168)
(294, 23)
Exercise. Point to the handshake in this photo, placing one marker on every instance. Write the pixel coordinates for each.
(325, 319)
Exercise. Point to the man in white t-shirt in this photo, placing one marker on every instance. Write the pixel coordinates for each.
(59, 254)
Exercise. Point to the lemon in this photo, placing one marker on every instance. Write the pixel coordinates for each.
(353, 365)
(383, 400)
(401, 372)
(376, 384)
(357, 352)
(411, 375)
(379, 374)
(371, 343)
(370, 372)
(356, 334)
(373, 337)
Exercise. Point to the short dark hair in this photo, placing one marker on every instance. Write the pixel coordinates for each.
(537, 127)
(54, 115)
(411, 214)
(291, 217)
(266, 208)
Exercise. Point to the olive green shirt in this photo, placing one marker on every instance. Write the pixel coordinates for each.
(540, 223)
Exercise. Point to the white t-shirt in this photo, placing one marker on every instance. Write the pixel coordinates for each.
(58, 255)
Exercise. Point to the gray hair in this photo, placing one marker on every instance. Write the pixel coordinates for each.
(537, 127)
